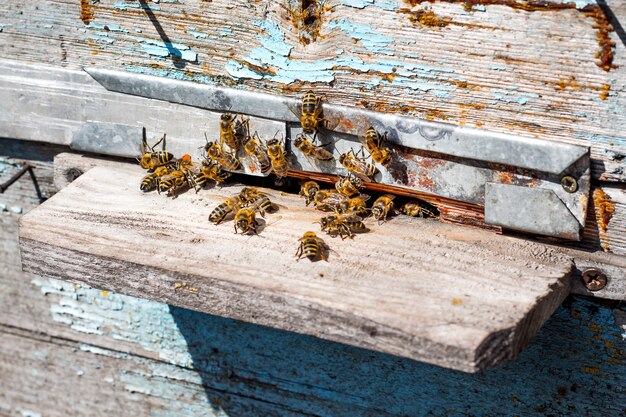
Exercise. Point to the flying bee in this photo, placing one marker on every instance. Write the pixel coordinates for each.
(416, 209)
(253, 147)
(343, 225)
(308, 190)
(349, 185)
(173, 182)
(311, 116)
(277, 155)
(311, 151)
(327, 200)
(227, 160)
(245, 220)
(209, 171)
(151, 159)
(382, 207)
(151, 181)
(355, 205)
(364, 170)
(220, 212)
(312, 247)
(375, 144)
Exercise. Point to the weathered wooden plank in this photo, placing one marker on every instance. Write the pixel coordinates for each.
(504, 66)
(573, 367)
(371, 295)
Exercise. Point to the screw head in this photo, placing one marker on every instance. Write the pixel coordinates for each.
(569, 184)
(594, 279)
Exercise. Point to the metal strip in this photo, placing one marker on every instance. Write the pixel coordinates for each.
(481, 145)
(518, 180)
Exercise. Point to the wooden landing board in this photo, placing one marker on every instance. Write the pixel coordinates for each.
(459, 298)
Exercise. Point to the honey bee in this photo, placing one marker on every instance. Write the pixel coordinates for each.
(277, 154)
(245, 220)
(355, 205)
(220, 212)
(253, 147)
(343, 225)
(349, 185)
(364, 170)
(375, 144)
(209, 171)
(259, 200)
(308, 190)
(327, 200)
(173, 182)
(382, 207)
(227, 160)
(151, 159)
(231, 130)
(312, 114)
(312, 247)
(311, 151)
(151, 181)
(415, 209)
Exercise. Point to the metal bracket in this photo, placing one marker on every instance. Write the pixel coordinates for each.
(518, 180)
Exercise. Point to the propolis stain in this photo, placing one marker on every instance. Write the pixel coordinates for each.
(601, 23)
(86, 12)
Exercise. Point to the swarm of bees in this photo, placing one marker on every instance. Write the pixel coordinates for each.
(346, 207)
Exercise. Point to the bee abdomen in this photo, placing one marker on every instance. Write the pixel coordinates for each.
(310, 248)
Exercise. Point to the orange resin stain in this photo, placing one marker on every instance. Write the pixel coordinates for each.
(86, 12)
(604, 210)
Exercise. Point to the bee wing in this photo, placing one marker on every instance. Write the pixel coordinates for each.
(323, 154)
(353, 218)
(365, 197)
(144, 142)
(361, 170)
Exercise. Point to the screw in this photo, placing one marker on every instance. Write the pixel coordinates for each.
(594, 279)
(569, 184)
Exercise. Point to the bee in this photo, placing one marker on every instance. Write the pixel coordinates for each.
(349, 185)
(277, 154)
(312, 247)
(364, 170)
(327, 200)
(227, 160)
(343, 225)
(151, 159)
(382, 207)
(415, 209)
(259, 200)
(209, 171)
(355, 205)
(253, 147)
(311, 115)
(308, 190)
(311, 151)
(232, 130)
(220, 212)
(173, 182)
(151, 181)
(375, 144)
(245, 220)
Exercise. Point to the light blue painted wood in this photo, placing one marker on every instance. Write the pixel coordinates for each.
(574, 367)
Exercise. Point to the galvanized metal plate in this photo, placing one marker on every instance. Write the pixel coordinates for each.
(459, 163)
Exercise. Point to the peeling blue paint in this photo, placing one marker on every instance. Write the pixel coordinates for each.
(390, 5)
(125, 6)
(165, 49)
(198, 35)
(102, 37)
(509, 96)
(369, 37)
(498, 68)
(105, 26)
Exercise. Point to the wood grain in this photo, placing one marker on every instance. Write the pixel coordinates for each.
(504, 67)
(392, 297)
